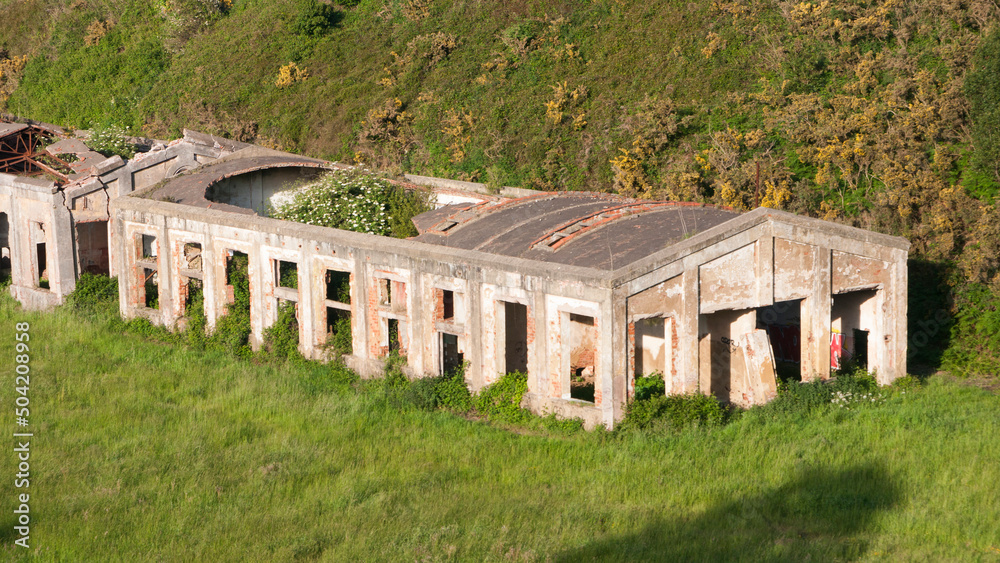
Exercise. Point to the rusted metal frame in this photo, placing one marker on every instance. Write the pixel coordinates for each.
(49, 169)
(13, 160)
(57, 159)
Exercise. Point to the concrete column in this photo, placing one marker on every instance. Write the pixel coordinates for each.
(168, 263)
(474, 330)
(612, 387)
(211, 288)
(62, 278)
(895, 340)
(118, 250)
(360, 305)
(815, 317)
(309, 311)
(538, 378)
(429, 340)
(900, 292)
(415, 315)
(616, 316)
(258, 266)
(18, 241)
(688, 332)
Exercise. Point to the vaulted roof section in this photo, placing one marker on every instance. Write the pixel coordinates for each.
(585, 229)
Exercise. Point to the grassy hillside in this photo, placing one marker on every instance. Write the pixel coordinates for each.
(877, 114)
(147, 451)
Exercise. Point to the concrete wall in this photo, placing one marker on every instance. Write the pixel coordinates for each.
(43, 212)
(36, 215)
(710, 287)
(416, 271)
(256, 189)
(681, 310)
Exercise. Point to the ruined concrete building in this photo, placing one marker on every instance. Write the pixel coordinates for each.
(55, 196)
(582, 291)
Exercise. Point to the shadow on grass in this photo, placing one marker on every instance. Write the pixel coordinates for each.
(929, 316)
(821, 515)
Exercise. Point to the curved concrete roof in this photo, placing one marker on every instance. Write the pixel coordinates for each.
(586, 229)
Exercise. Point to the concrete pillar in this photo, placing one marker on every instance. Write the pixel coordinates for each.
(622, 349)
(894, 342)
(474, 330)
(688, 333)
(118, 255)
(62, 279)
(538, 342)
(310, 310)
(612, 388)
(258, 265)
(211, 288)
(815, 318)
(360, 305)
(172, 309)
(415, 319)
(18, 245)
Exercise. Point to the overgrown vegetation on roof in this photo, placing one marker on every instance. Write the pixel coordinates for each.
(355, 200)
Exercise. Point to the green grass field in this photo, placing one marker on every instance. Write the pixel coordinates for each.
(145, 451)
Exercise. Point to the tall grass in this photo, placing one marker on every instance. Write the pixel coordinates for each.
(145, 450)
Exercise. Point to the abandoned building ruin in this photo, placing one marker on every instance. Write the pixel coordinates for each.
(581, 291)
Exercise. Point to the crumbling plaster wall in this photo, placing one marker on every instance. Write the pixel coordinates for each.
(59, 210)
(705, 288)
(756, 265)
(37, 215)
(483, 282)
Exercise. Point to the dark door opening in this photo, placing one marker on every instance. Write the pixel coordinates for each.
(860, 358)
(43, 274)
(516, 337)
(782, 321)
(5, 258)
(451, 358)
(393, 333)
(92, 243)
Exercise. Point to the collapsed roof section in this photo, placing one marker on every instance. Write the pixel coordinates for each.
(31, 149)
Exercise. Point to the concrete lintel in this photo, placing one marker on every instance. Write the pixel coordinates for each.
(113, 163)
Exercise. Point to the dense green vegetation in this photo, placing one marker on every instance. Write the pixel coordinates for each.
(147, 450)
(356, 200)
(152, 445)
(878, 114)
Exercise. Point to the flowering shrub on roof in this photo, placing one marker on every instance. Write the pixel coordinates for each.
(354, 200)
